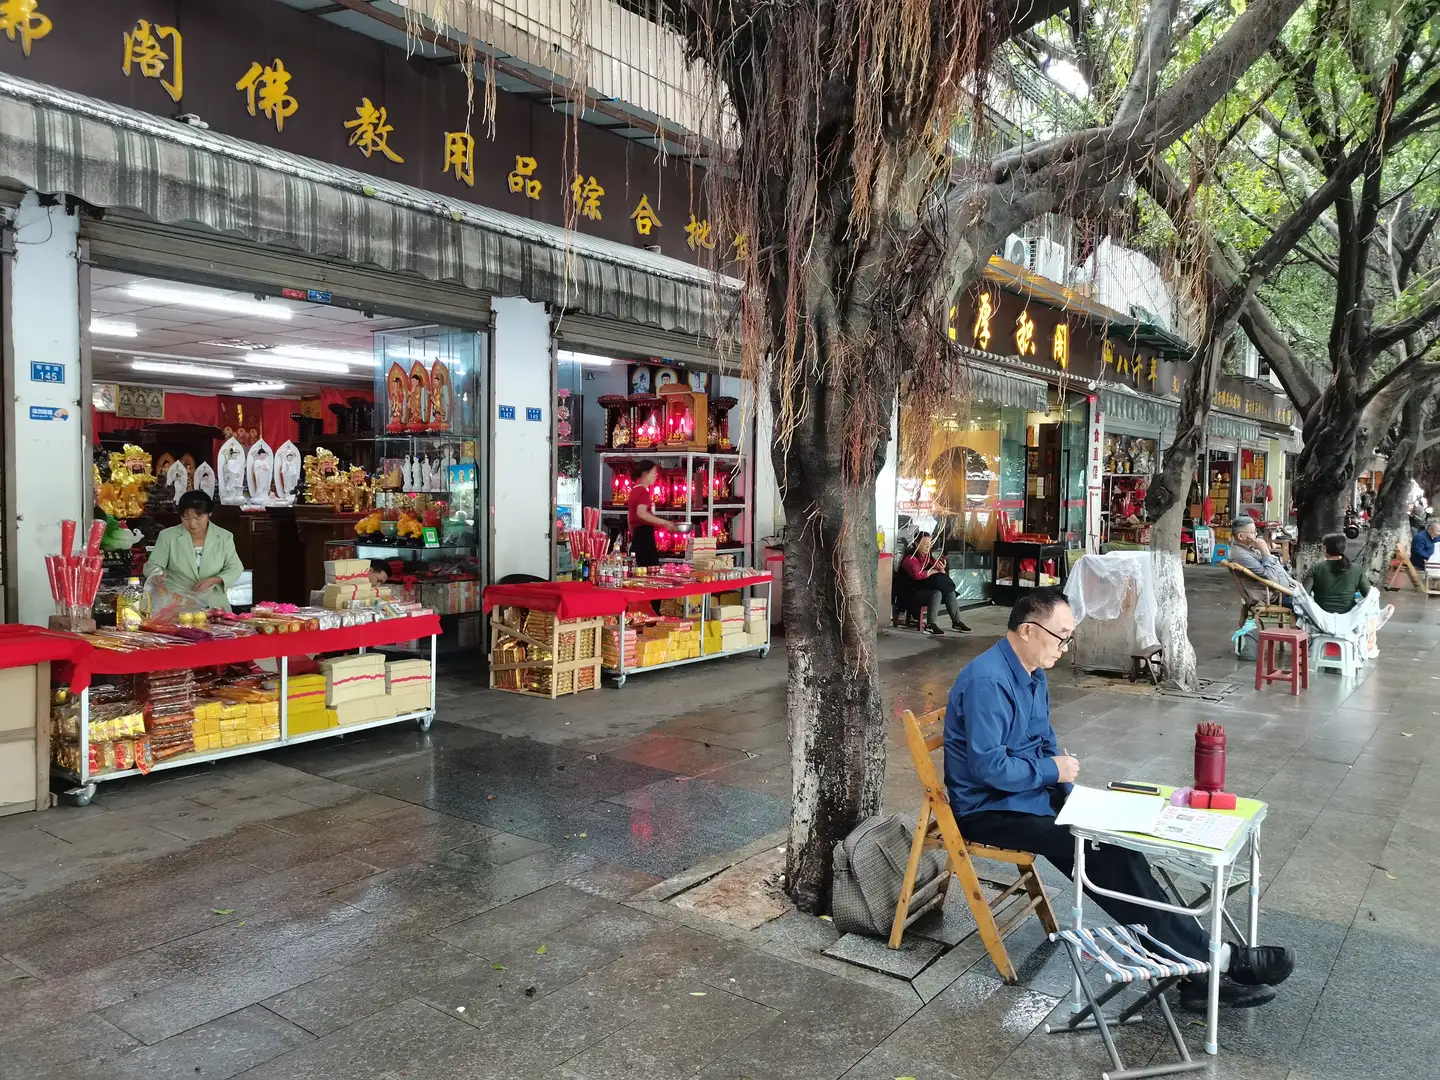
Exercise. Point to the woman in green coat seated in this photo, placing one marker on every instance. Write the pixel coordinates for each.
(196, 555)
(1334, 581)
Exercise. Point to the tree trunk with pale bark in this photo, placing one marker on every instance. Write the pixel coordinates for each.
(1166, 504)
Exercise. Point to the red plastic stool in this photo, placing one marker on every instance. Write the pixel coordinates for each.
(1298, 673)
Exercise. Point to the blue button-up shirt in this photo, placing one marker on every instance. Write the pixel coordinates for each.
(998, 738)
(1422, 547)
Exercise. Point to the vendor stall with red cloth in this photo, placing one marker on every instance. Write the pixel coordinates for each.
(123, 708)
(677, 617)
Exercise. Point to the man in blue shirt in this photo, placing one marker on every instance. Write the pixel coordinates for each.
(1422, 545)
(1007, 777)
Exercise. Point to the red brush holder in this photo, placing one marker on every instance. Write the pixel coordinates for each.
(1209, 762)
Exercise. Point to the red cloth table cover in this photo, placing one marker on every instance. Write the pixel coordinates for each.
(639, 597)
(239, 650)
(22, 645)
(583, 600)
(566, 599)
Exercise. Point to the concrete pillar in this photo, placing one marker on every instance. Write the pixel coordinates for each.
(522, 509)
(887, 485)
(1275, 480)
(47, 431)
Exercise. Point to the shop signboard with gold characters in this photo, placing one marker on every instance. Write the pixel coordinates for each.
(1045, 340)
(268, 73)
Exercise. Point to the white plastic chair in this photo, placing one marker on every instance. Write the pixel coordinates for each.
(1335, 654)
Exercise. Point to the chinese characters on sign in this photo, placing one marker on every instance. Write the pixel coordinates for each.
(1060, 347)
(984, 312)
(587, 192)
(741, 246)
(522, 181)
(268, 88)
(460, 156)
(242, 59)
(23, 19)
(1227, 399)
(143, 50)
(697, 235)
(644, 217)
(370, 131)
(1024, 335)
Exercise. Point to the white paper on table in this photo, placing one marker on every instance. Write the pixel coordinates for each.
(1200, 827)
(1111, 811)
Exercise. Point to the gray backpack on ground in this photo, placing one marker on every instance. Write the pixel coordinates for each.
(869, 870)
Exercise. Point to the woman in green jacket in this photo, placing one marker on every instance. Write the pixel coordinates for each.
(1334, 581)
(196, 555)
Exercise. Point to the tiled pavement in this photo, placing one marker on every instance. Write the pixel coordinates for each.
(453, 905)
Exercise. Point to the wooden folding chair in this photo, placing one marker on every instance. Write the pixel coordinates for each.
(937, 828)
(1260, 597)
(1400, 564)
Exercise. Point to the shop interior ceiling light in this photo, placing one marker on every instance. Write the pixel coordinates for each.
(584, 358)
(290, 363)
(113, 328)
(208, 301)
(168, 357)
(257, 387)
(194, 370)
(315, 352)
(237, 343)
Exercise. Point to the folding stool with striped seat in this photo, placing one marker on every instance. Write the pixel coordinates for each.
(1127, 954)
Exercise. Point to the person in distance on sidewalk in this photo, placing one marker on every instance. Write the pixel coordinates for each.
(928, 575)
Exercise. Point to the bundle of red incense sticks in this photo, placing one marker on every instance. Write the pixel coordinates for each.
(75, 579)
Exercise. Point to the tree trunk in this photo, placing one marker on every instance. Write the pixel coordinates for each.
(1165, 504)
(837, 720)
(1172, 621)
(1390, 516)
(1325, 469)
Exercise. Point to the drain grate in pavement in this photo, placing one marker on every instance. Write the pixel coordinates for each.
(1210, 690)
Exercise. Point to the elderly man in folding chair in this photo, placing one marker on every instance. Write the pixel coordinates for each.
(1006, 778)
(1249, 549)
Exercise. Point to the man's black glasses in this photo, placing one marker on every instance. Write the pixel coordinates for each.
(1064, 641)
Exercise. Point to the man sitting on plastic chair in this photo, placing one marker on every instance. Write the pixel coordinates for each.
(1006, 778)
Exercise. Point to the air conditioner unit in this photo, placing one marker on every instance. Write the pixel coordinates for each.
(1019, 250)
(1038, 255)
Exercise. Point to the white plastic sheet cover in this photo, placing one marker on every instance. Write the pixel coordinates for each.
(1118, 585)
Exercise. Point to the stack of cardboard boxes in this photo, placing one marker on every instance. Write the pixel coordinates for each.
(700, 552)
(732, 626)
(757, 620)
(407, 682)
(365, 687)
(355, 687)
(348, 581)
